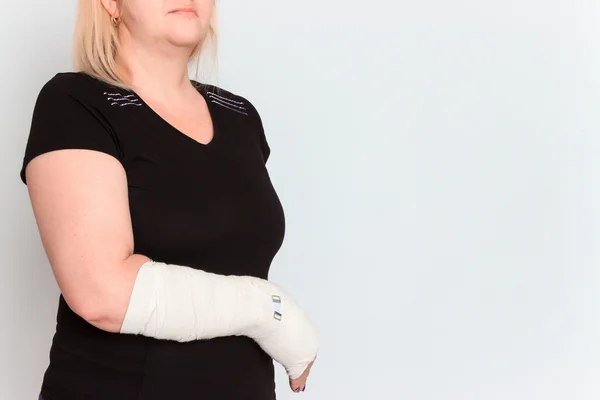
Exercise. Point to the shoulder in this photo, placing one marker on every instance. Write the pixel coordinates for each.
(77, 89)
(243, 106)
(229, 99)
(75, 94)
(235, 102)
(66, 92)
(220, 92)
(66, 116)
(74, 84)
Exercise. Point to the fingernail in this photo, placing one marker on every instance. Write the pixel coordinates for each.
(304, 388)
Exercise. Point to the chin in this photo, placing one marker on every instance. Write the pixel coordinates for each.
(185, 40)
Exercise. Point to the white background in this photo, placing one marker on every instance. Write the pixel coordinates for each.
(438, 163)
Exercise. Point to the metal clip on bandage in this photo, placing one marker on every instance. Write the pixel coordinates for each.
(277, 307)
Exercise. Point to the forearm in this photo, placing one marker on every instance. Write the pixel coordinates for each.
(170, 302)
(179, 303)
(173, 302)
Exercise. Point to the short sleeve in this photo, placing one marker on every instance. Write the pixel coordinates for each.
(264, 144)
(64, 119)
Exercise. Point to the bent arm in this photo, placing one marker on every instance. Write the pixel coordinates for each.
(80, 202)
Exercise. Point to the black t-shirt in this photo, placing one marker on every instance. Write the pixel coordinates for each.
(208, 206)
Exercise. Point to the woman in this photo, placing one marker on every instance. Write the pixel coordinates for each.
(159, 219)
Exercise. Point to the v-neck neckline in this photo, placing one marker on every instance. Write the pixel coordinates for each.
(202, 89)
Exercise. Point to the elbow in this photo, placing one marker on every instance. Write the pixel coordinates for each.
(102, 299)
(97, 312)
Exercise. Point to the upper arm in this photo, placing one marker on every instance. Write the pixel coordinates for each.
(78, 191)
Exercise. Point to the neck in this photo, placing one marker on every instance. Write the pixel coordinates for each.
(155, 70)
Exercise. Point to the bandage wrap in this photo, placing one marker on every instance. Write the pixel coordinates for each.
(291, 338)
(173, 302)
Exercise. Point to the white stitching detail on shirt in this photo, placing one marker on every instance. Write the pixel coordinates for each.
(225, 98)
(118, 99)
(231, 105)
(126, 104)
(119, 94)
(228, 106)
(121, 99)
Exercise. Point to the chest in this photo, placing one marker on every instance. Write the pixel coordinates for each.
(192, 118)
(210, 205)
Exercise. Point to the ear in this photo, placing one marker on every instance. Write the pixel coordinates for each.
(112, 7)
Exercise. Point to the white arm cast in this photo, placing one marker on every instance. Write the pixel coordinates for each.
(173, 302)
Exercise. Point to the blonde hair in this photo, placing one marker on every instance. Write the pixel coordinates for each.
(96, 43)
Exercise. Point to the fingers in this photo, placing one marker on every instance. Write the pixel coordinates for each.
(299, 384)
